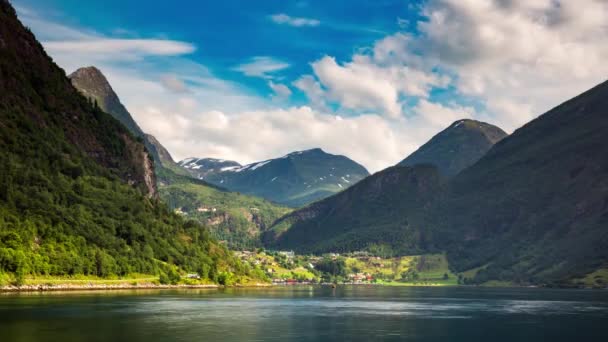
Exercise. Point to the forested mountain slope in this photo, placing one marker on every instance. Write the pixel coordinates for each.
(535, 207)
(374, 213)
(77, 189)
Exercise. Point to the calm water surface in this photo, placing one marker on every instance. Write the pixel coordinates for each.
(356, 313)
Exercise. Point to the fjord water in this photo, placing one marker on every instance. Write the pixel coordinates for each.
(349, 313)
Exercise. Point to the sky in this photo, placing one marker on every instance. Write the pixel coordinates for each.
(369, 79)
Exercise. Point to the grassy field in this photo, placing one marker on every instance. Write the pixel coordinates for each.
(281, 267)
(84, 280)
(432, 269)
(131, 280)
(598, 278)
(135, 279)
(429, 270)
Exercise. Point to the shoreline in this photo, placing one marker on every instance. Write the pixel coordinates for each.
(105, 287)
(150, 286)
(97, 287)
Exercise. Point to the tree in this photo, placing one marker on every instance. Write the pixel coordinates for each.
(225, 278)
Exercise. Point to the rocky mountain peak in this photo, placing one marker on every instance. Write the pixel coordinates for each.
(92, 83)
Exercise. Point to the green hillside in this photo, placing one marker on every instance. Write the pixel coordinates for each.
(367, 215)
(236, 219)
(233, 218)
(77, 189)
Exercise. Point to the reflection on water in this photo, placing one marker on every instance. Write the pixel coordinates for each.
(356, 313)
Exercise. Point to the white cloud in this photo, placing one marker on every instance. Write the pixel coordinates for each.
(283, 18)
(262, 66)
(313, 91)
(375, 81)
(250, 136)
(435, 117)
(518, 57)
(134, 48)
(173, 83)
(69, 43)
(281, 91)
(357, 86)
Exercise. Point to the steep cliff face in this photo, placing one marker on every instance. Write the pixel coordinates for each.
(143, 165)
(92, 83)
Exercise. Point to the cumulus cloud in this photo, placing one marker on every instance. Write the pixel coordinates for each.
(515, 58)
(285, 19)
(250, 136)
(309, 86)
(519, 57)
(375, 81)
(262, 66)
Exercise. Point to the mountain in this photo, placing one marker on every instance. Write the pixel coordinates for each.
(367, 215)
(94, 85)
(533, 209)
(77, 189)
(166, 168)
(202, 167)
(164, 157)
(457, 147)
(295, 179)
(238, 220)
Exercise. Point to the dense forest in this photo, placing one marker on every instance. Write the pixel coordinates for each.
(77, 189)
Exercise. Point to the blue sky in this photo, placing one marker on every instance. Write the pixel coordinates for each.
(230, 33)
(250, 80)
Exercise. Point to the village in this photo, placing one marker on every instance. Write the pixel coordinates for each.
(288, 268)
